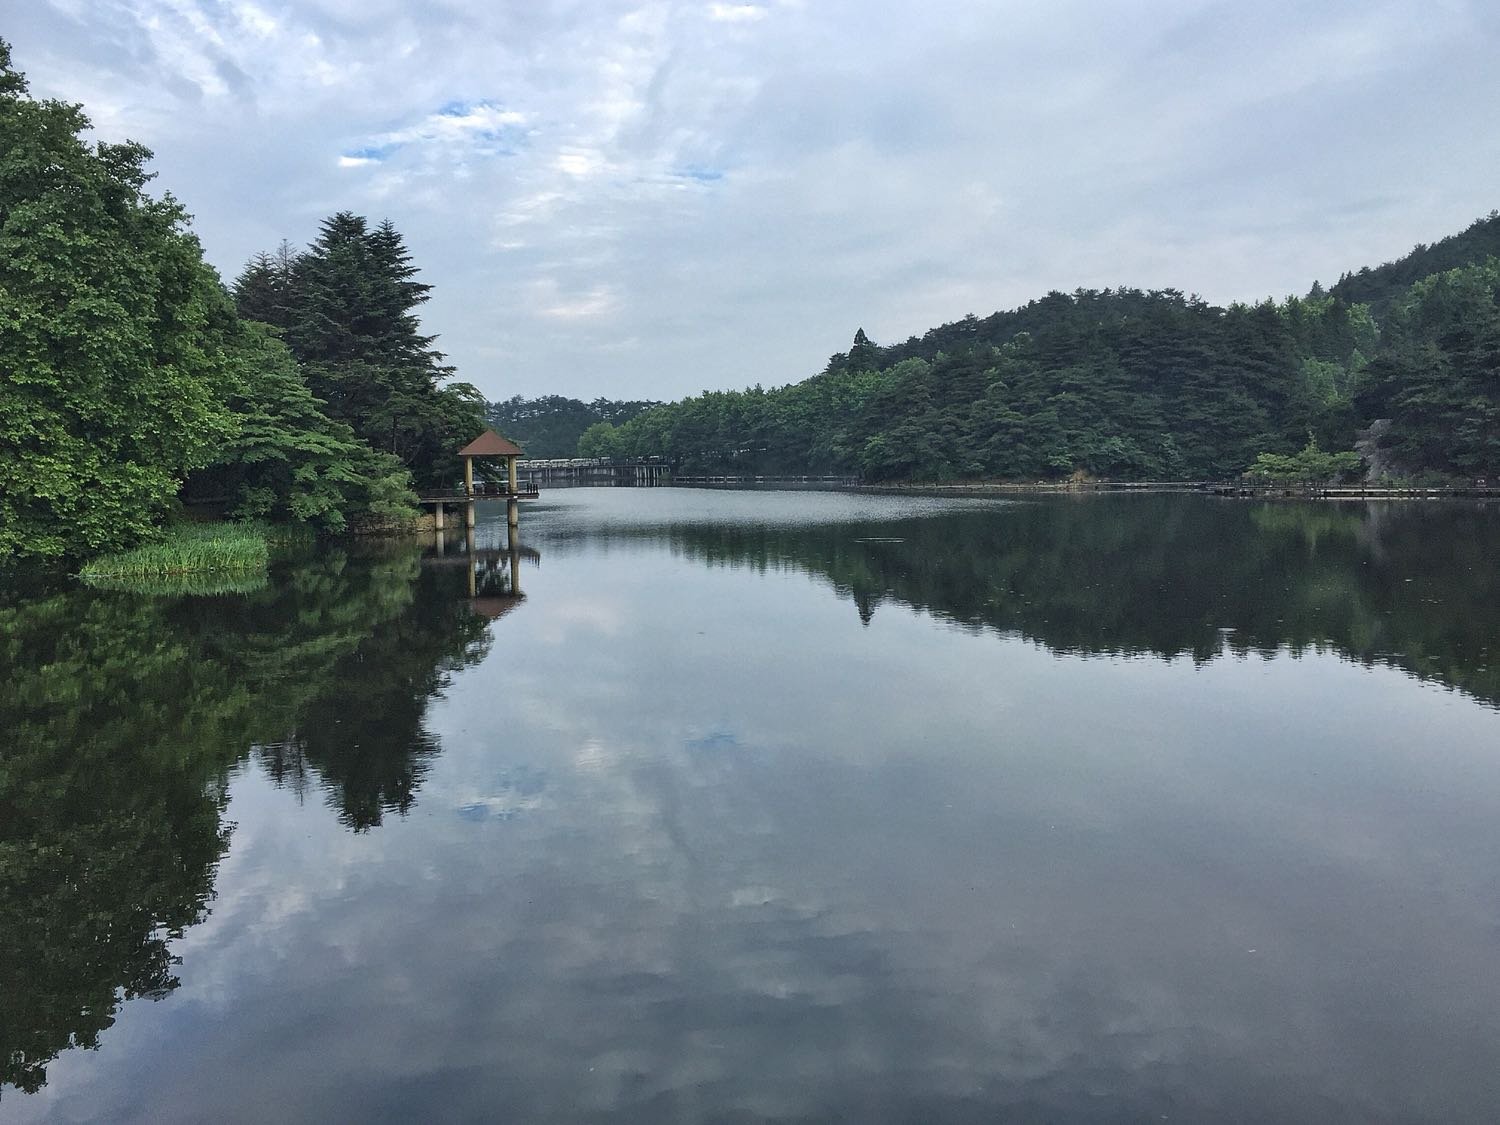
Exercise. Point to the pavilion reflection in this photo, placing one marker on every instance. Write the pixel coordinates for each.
(492, 571)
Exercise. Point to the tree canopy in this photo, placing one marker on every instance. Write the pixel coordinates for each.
(115, 337)
(1437, 381)
(1382, 286)
(131, 378)
(287, 459)
(1117, 383)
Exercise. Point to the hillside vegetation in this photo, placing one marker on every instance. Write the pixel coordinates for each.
(1379, 287)
(1132, 384)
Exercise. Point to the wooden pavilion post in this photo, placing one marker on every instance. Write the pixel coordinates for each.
(468, 491)
(513, 547)
(513, 506)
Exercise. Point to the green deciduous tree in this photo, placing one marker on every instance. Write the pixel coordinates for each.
(114, 363)
(290, 461)
(1309, 465)
(602, 439)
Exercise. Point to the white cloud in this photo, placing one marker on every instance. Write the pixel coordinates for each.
(736, 13)
(580, 163)
(256, 20)
(847, 164)
(596, 302)
(530, 209)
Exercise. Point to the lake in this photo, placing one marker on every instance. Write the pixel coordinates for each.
(779, 806)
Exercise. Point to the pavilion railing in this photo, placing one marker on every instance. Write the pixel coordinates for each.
(483, 490)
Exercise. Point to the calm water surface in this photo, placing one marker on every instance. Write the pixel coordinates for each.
(771, 807)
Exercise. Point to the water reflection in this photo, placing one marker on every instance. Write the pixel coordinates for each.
(696, 837)
(111, 786)
(492, 562)
(1413, 586)
(124, 715)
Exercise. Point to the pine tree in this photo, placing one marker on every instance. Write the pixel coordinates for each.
(265, 289)
(863, 354)
(351, 322)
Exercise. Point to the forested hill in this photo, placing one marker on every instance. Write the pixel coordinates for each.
(550, 426)
(1132, 384)
(1381, 286)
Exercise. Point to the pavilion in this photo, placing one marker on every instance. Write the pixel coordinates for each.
(487, 445)
(491, 444)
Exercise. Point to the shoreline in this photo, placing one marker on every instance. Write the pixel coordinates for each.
(1233, 490)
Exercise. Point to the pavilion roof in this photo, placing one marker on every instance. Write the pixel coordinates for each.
(491, 444)
(493, 608)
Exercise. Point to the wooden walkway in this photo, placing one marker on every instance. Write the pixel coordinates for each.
(441, 499)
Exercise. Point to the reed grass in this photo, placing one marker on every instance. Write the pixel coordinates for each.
(236, 549)
(199, 584)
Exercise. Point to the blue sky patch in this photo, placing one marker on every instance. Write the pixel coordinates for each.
(698, 173)
(372, 152)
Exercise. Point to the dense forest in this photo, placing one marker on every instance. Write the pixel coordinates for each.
(346, 309)
(1129, 384)
(134, 379)
(551, 425)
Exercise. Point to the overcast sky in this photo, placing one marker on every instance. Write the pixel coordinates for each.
(648, 199)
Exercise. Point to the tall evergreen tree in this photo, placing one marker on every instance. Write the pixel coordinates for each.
(351, 321)
(862, 353)
(265, 289)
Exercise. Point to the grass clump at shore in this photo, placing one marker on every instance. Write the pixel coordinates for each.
(234, 550)
(199, 584)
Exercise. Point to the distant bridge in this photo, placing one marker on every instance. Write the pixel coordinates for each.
(648, 471)
(733, 480)
(638, 471)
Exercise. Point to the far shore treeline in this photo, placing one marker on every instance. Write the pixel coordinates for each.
(132, 380)
(1402, 361)
(550, 426)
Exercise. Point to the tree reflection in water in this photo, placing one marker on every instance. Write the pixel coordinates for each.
(1411, 586)
(125, 715)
